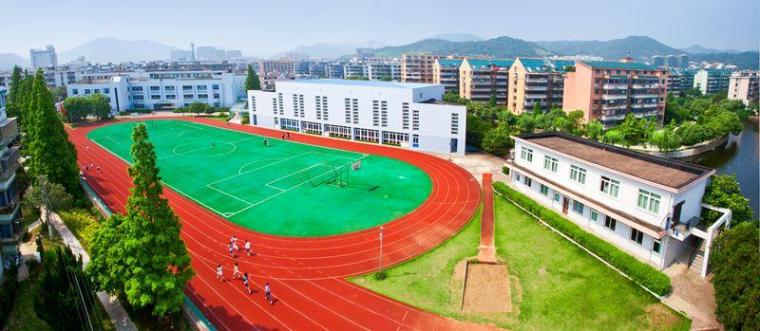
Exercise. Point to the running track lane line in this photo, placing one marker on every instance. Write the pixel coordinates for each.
(275, 245)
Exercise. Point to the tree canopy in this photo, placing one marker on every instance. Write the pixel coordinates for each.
(79, 107)
(252, 80)
(723, 191)
(140, 254)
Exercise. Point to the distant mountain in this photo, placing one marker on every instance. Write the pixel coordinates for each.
(326, 50)
(697, 49)
(496, 47)
(457, 37)
(743, 60)
(8, 60)
(104, 50)
(638, 46)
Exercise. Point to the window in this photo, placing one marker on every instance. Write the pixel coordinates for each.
(517, 177)
(556, 197)
(74, 91)
(168, 88)
(526, 154)
(96, 91)
(648, 201)
(656, 246)
(202, 96)
(215, 86)
(137, 88)
(594, 215)
(415, 119)
(355, 110)
(384, 113)
(454, 123)
(610, 186)
(187, 87)
(171, 96)
(578, 174)
(324, 108)
(106, 90)
(155, 88)
(550, 163)
(578, 207)
(375, 113)
(405, 115)
(155, 97)
(610, 223)
(348, 110)
(201, 87)
(637, 236)
(216, 95)
(527, 181)
(544, 190)
(187, 96)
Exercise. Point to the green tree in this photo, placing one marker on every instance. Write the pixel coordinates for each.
(51, 153)
(497, 141)
(492, 101)
(99, 106)
(614, 137)
(725, 122)
(476, 130)
(198, 107)
(14, 93)
(140, 254)
(50, 195)
(736, 277)
(252, 80)
(665, 139)
(594, 130)
(526, 122)
(723, 191)
(76, 108)
(694, 133)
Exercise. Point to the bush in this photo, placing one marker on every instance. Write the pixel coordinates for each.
(82, 223)
(123, 113)
(8, 293)
(505, 170)
(245, 120)
(735, 262)
(640, 272)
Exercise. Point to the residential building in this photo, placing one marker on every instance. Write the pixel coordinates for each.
(386, 70)
(277, 68)
(647, 206)
(354, 70)
(683, 61)
(743, 85)
(680, 80)
(658, 61)
(482, 79)
(536, 83)
(608, 91)
(11, 229)
(163, 90)
(672, 61)
(711, 81)
(417, 68)
(334, 70)
(446, 73)
(43, 58)
(410, 115)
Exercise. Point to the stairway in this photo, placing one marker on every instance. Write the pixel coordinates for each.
(698, 258)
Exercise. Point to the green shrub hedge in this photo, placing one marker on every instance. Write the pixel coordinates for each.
(640, 272)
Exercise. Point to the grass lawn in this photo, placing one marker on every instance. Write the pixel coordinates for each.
(554, 284)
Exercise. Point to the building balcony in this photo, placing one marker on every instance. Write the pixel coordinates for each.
(644, 96)
(535, 88)
(614, 96)
(9, 163)
(537, 80)
(614, 107)
(646, 86)
(8, 131)
(643, 105)
(615, 86)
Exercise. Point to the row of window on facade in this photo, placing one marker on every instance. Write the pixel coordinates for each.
(154, 88)
(345, 132)
(646, 201)
(636, 236)
(174, 97)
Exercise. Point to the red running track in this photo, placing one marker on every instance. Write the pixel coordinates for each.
(307, 275)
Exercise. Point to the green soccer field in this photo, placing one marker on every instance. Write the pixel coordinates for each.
(287, 189)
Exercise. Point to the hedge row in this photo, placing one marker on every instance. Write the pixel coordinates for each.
(640, 272)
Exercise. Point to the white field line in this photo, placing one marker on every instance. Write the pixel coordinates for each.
(257, 168)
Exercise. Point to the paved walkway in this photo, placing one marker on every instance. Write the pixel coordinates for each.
(478, 163)
(115, 311)
(692, 295)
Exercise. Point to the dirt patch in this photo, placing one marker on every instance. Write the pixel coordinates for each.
(487, 288)
(660, 316)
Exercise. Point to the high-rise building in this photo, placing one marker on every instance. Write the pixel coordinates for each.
(680, 80)
(536, 83)
(658, 60)
(608, 91)
(743, 85)
(446, 73)
(483, 79)
(683, 60)
(43, 58)
(417, 68)
(711, 81)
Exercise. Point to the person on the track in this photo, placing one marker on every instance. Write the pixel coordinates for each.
(98, 168)
(219, 273)
(235, 246)
(283, 136)
(233, 239)
(245, 283)
(288, 135)
(235, 271)
(232, 250)
(268, 293)
(247, 247)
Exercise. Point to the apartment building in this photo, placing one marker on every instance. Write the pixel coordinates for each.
(385, 70)
(608, 91)
(276, 68)
(410, 115)
(744, 86)
(536, 84)
(163, 90)
(417, 68)
(711, 81)
(647, 206)
(354, 70)
(11, 229)
(680, 80)
(482, 79)
(446, 73)
(43, 58)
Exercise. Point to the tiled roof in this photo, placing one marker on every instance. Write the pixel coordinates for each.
(545, 65)
(619, 65)
(481, 64)
(449, 63)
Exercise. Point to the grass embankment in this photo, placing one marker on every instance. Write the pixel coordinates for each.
(555, 285)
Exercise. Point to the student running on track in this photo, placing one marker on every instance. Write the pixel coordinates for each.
(235, 271)
(245, 283)
(268, 293)
(219, 273)
(232, 250)
(247, 247)
(235, 246)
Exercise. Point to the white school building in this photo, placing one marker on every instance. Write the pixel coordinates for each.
(648, 206)
(403, 114)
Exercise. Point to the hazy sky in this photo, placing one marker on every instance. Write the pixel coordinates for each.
(266, 27)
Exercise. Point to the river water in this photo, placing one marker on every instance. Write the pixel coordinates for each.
(740, 157)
